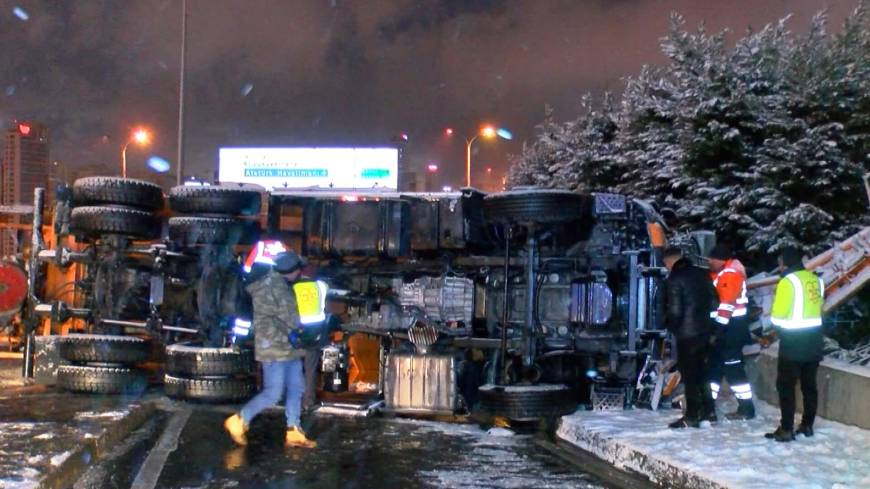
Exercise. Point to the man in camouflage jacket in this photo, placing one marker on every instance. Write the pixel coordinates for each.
(275, 315)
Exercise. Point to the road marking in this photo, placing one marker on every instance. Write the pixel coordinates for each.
(168, 442)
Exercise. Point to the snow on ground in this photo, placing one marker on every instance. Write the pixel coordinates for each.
(499, 461)
(39, 434)
(60, 458)
(106, 415)
(497, 458)
(728, 454)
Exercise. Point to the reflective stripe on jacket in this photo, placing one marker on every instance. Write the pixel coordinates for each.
(730, 285)
(798, 301)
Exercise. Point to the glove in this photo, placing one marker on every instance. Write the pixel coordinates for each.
(295, 338)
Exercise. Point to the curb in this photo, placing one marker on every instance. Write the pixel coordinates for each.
(658, 471)
(592, 464)
(66, 474)
(655, 468)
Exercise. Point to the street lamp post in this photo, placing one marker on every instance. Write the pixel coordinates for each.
(140, 137)
(487, 132)
(179, 164)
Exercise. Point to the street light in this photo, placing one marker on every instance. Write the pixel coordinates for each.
(487, 132)
(139, 136)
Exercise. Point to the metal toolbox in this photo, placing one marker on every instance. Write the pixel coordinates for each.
(420, 383)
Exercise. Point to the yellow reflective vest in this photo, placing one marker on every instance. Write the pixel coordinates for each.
(311, 300)
(798, 301)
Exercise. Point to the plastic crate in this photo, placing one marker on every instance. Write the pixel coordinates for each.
(608, 398)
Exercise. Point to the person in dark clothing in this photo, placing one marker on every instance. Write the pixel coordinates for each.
(797, 315)
(732, 320)
(312, 363)
(689, 298)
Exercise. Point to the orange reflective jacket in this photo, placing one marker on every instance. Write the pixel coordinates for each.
(730, 285)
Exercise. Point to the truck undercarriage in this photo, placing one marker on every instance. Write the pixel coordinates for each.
(521, 303)
(432, 273)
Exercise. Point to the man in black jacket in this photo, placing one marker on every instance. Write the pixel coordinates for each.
(689, 298)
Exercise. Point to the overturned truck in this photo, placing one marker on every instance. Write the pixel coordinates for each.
(520, 304)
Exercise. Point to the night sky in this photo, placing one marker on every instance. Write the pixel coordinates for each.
(333, 72)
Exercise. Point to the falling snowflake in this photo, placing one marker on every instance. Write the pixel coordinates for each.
(20, 13)
(246, 89)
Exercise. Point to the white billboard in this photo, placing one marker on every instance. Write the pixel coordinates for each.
(338, 168)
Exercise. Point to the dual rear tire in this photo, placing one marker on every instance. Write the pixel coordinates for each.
(102, 364)
(214, 375)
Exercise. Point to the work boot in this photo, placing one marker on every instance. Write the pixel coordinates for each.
(745, 410)
(805, 429)
(685, 422)
(237, 429)
(781, 434)
(296, 438)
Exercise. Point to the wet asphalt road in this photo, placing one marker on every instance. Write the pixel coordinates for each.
(352, 453)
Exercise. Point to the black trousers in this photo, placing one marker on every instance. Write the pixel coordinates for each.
(312, 376)
(726, 359)
(692, 356)
(788, 372)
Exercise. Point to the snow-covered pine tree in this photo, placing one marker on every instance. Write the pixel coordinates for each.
(764, 143)
(532, 166)
(577, 155)
(648, 150)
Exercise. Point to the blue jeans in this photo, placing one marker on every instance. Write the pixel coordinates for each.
(278, 378)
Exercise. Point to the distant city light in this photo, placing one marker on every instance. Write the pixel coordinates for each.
(448, 131)
(24, 129)
(20, 13)
(489, 170)
(504, 133)
(158, 164)
(447, 189)
(432, 167)
(404, 136)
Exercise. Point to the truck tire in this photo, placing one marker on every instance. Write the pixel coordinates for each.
(100, 380)
(527, 403)
(534, 205)
(83, 348)
(94, 221)
(191, 231)
(117, 191)
(193, 361)
(223, 199)
(217, 390)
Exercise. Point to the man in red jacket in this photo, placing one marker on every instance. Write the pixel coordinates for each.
(732, 321)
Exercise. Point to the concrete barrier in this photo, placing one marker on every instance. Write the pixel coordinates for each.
(844, 389)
